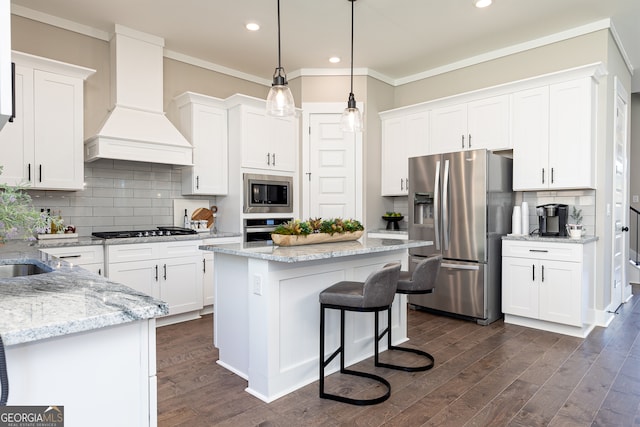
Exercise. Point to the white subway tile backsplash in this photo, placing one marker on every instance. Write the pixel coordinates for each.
(112, 192)
(119, 195)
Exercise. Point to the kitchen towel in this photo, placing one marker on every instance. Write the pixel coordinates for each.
(525, 218)
(516, 221)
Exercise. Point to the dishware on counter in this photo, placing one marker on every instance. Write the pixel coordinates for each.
(392, 221)
(516, 221)
(525, 218)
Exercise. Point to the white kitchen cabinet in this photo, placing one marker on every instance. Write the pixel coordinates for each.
(482, 123)
(402, 137)
(548, 282)
(44, 147)
(170, 271)
(203, 121)
(267, 142)
(208, 294)
(553, 133)
(6, 80)
(88, 257)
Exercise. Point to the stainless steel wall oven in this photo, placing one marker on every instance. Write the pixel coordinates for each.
(259, 229)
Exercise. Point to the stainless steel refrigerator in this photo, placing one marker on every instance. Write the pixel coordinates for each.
(462, 201)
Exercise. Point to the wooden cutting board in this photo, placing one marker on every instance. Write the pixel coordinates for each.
(202, 214)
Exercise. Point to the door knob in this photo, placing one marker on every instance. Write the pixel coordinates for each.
(625, 228)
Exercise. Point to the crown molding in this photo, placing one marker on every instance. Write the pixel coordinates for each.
(308, 72)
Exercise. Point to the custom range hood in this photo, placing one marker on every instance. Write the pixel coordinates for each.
(137, 128)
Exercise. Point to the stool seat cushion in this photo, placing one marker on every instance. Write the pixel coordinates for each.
(423, 278)
(348, 294)
(377, 291)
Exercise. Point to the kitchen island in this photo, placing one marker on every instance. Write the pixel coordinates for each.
(75, 339)
(266, 322)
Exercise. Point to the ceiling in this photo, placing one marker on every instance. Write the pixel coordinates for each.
(394, 39)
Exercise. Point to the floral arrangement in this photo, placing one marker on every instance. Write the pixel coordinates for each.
(297, 227)
(18, 218)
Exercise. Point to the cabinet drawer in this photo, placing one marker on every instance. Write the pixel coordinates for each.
(132, 252)
(79, 255)
(178, 248)
(571, 252)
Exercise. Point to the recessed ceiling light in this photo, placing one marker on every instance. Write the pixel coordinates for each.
(252, 26)
(482, 3)
(334, 59)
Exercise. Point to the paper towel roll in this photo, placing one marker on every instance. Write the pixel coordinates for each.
(525, 218)
(516, 220)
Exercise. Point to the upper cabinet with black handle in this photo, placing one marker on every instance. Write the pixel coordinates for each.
(43, 146)
(6, 80)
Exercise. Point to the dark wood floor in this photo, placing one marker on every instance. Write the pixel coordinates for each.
(496, 375)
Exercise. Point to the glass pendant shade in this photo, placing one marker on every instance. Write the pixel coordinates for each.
(351, 120)
(280, 100)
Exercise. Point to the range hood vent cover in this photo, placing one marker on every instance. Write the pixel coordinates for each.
(136, 128)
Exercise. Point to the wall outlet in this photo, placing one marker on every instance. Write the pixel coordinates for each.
(634, 198)
(257, 284)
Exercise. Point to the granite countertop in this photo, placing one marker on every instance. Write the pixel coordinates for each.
(400, 233)
(536, 238)
(86, 241)
(314, 252)
(67, 300)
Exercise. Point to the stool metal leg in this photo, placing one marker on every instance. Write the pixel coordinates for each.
(340, 350)
(390, 347)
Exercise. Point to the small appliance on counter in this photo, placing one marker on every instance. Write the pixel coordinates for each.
(552, 219)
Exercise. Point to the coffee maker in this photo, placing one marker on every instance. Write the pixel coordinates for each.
(552, 219)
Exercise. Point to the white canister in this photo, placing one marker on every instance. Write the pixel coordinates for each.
(525, 218)
(516, 221)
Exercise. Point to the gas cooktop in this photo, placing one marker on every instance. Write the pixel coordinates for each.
(160, 231)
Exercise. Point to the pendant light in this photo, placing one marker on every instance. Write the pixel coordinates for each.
(351, 120)
(280, 100)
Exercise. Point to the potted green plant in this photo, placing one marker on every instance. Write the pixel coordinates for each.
(18, 218)
(575, 228)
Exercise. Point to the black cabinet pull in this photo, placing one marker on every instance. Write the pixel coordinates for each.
(13, 92)
(40, 169)
(543, 175)
(99, 272)
(29, 172)
(533, 267)
(268, 159)
(204, 265)
(198, 182)
(164, 275)
(273, 163)
(462, 136)
(156, 272)
(543, 273)
(552, 175)
(469, 141)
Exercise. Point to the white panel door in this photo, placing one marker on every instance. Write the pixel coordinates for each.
(620, 245)
(332, 183)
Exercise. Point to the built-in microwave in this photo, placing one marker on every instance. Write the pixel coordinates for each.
(267, 193)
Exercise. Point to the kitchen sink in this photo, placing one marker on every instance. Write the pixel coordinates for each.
(8, 271)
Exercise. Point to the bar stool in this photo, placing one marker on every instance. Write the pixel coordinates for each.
(421, 281)
(375, 294)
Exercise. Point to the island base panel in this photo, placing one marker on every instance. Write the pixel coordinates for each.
(267, 318)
